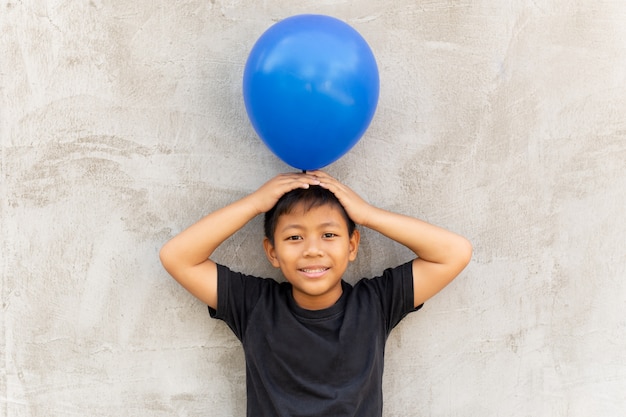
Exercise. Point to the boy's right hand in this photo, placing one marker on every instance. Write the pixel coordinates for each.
(269, 193)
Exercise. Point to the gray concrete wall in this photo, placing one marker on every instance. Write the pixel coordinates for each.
(123, 122)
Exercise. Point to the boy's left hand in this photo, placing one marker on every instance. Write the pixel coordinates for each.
(357, 208)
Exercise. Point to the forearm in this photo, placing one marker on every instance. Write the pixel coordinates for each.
(198, 242)
(429, 242)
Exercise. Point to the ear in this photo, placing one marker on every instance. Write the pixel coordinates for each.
(270, 252)
(355, 239)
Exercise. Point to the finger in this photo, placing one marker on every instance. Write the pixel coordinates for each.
(320, 174)
(296, 176)
(325, 178)
(298, 180)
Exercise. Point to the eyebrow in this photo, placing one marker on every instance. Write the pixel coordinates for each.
(299, 227)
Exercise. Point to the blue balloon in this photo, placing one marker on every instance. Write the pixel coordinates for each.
(310, 87)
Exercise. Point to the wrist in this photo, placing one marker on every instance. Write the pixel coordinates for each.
(253, 204)
(365, 219)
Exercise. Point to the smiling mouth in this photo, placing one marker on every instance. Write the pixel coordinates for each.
(318, 270)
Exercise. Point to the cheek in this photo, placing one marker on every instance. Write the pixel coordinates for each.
(286, 252)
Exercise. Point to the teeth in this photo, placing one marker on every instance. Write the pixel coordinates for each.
(314, 270)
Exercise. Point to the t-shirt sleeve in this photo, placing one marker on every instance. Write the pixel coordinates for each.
(395, 290)
(237, 294)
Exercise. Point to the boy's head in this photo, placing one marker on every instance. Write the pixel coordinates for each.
(306, 198)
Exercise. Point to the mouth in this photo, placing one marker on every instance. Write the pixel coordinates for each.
(314, 271)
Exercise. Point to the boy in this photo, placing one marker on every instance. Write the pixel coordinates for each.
(314, 344)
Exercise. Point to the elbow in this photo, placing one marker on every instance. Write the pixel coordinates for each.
(465, 251)
(166, 256)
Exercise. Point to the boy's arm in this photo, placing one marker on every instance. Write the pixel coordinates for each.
(441, 254)
(186, 256)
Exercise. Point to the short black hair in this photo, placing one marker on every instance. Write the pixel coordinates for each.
(314, 196)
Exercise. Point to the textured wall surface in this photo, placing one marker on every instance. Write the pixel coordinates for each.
(122, 122)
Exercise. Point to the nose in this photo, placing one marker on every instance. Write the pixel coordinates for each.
(313, 248)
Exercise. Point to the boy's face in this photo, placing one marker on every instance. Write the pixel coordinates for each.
(313, 250)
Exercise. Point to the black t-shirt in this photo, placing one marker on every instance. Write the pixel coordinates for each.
(314, 363)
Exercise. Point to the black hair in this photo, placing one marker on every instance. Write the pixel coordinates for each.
(312, 197)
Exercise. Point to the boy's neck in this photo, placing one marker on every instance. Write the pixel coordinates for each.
(317, 302)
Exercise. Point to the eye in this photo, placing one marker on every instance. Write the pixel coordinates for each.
(329, 235)
(294, 237)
